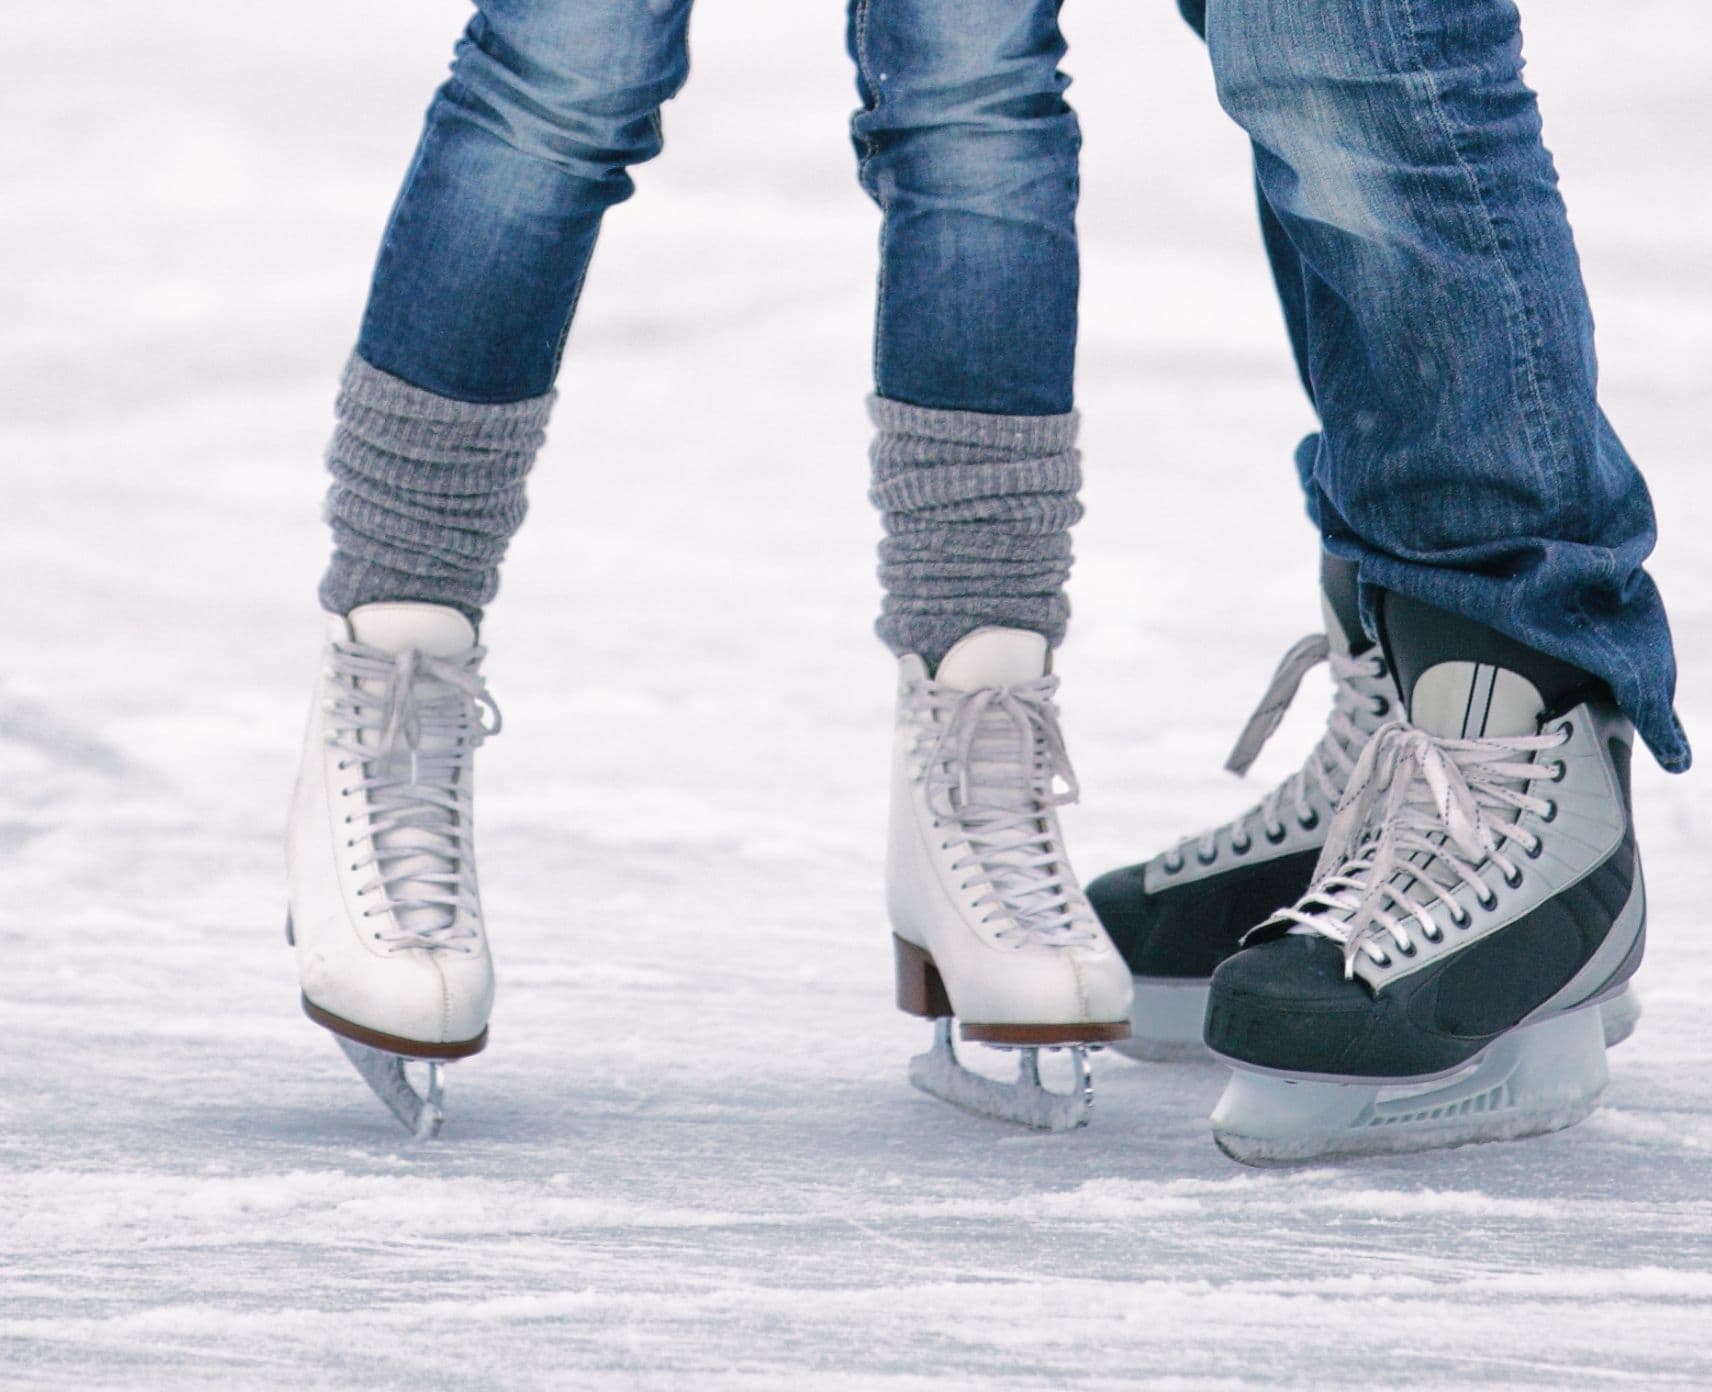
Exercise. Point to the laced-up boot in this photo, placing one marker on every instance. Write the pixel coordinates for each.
(1177, 916)
(385, 912)
(1478, 897)
(990, 924)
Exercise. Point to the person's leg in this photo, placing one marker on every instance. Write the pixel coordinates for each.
(441, 412)
(967, 145)
(1478, 901)
(444, 405)
(1463, 459)
(1177, 915)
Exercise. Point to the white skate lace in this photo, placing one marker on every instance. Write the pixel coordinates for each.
(1359, 704)
(410, 723)
(1424, 816)
(994, 773)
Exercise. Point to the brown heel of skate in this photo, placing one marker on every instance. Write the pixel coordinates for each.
(921, 989)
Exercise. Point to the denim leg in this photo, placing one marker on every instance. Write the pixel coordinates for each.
(526, 146)
(968, 146)
(1289, 276)
(1463, 459)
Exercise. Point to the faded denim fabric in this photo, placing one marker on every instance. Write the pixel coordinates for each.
(1435, 303)
(965, 141)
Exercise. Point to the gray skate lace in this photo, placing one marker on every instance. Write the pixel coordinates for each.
(1422, 818)
(410, 723)
(1359, 703)
(993, 773)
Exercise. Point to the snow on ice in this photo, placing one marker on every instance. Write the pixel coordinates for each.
(689, 1158)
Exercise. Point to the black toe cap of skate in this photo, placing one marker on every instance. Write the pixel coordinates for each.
(1287, 1005)
(1186, 930)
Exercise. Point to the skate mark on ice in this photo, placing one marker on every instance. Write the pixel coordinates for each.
(34, 727)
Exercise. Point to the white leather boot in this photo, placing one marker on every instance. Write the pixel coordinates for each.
(990, 924)
(385, 911)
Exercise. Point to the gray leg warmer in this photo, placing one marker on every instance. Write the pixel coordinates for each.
(426, 494)
(977, 511)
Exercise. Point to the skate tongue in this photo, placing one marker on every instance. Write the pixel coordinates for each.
(432, 629)
(1463, 680)
(435, 631)
(994, 657)
(1475, 700)
(1339, 606)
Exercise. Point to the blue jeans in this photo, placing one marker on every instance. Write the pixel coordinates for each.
(965, 140)
(1436, 307)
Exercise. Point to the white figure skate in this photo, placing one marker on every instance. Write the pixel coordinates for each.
(385, 910)
(989, 923)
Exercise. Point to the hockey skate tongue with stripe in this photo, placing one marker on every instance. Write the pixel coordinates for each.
(1430, 802)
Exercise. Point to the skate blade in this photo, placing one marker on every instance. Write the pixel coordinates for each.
(1536, 1079)
(1166, 1022)
(422, 1113)
(1026, 1102)
(1619, 1014)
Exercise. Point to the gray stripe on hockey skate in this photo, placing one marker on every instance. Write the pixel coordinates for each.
(1479, 701)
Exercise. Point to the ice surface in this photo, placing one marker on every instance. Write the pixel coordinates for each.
(690, 1158)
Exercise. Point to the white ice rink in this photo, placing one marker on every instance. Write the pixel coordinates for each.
(689, 1158)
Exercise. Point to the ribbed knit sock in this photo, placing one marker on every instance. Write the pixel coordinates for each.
(427, 492)
(977, 510)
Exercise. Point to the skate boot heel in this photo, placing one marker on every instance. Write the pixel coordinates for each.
(921, 989)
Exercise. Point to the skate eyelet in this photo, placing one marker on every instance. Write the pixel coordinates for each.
(1488, 901)
(1381, 706)
(1310, 822)
(1568, 730)
(1276, 838)
(1550, 814)
(1536, 850)
(1462, 920)
(1242, 847)
(1173, 866)
(1382, 962)
(1514, 881)
(1559, 770)
(1433, 937)
(1206, 857)
(1406, 952)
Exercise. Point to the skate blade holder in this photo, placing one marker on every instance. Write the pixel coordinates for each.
(1536, 1079)
(421, 1113)
(1027, 1101)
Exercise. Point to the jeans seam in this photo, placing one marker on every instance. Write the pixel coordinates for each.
(874, 97)
(1524, 344)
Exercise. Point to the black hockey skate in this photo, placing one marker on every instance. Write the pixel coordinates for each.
(1177, 916)
(1478, 899)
